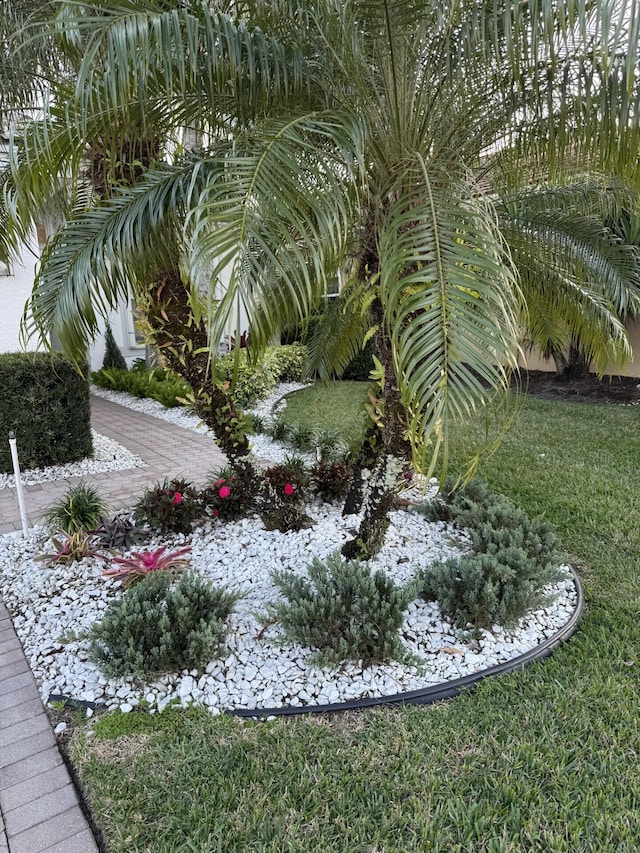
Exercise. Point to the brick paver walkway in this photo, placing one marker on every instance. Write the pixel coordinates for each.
(39, 808)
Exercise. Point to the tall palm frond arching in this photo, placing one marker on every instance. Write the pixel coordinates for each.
(580, 281)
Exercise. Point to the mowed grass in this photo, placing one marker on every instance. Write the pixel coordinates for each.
(541, 760)
(331, 406)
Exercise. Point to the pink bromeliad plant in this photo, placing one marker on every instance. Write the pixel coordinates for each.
(129, 570)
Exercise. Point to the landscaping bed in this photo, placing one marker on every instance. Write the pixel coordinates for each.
(257, 669)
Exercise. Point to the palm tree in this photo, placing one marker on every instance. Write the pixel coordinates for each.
(382, 137)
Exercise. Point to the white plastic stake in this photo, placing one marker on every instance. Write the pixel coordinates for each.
(16, 471)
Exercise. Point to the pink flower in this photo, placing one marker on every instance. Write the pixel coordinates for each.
(177, 498)
(216, 513)
(288, 489)
(224, 492)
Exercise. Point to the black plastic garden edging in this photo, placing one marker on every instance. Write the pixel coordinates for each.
(424, 696)
(436, 692)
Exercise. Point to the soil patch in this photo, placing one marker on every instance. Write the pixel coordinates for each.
(589, 389)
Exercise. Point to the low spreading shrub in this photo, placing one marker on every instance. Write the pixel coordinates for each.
(514, 559)
(154, 628)
(81, 508)
(343, 610)
(487, 589)
(45, 402)
(169, 507)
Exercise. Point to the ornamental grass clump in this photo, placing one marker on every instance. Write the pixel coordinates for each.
(343, 610)
(80, 508)
(154, 628)
(169, 507)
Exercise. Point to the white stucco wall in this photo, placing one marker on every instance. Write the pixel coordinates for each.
(14, 291)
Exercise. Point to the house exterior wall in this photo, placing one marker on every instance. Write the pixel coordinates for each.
(534, 360)
(14, 291)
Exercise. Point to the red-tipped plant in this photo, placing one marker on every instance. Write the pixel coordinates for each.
(129, 570)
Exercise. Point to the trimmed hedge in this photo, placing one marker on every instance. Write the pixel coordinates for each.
(45, 401)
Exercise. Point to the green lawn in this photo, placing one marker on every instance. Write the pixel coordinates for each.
(336, 405)
(541, 760)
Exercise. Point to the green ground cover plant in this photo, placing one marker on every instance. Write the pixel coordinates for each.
(156, 628)
(540, 760)
(343, 610)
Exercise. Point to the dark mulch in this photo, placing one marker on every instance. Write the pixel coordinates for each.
(590, 389)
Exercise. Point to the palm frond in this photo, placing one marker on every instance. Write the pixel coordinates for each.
(451, 304)
(90, 263)
(277, 220)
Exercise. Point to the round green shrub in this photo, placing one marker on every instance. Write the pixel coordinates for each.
(343, 610)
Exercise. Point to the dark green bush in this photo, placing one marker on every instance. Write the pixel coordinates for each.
(343, 610)
(112, 355)
(514, 558)
(154, 629)
(80, 508)
(45, 401)
(361, 365)
(169, 507)
(488, 589)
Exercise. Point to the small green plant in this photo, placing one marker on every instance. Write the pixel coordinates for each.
(232, 494)
(69, 548)
(112, 355)
(118, 532)
(154, 629)
(344, 610)
(487, 589)
(134, 568)
(80, 509)
(169, 507)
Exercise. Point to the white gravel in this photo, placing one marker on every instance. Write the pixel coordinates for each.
(108, 455)
(258, 670)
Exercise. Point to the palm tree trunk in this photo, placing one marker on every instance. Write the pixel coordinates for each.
(380, 454)
(183, 344)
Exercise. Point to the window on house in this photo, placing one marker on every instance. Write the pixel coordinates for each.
(134, 335)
